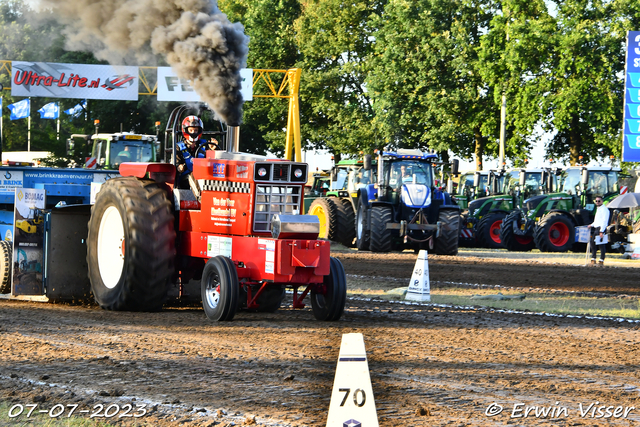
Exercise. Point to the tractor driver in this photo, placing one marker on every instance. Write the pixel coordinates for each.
(192, 146)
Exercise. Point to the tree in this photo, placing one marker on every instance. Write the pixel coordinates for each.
(269, 25)
(335, 38)
(425, 77)
(514, 59)
(583, 104)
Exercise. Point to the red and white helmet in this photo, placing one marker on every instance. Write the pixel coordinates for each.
(192, 121)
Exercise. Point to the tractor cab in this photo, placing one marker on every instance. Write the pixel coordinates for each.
(584, 183)
(109, 150)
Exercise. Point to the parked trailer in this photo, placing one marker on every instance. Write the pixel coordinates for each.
(237, 229)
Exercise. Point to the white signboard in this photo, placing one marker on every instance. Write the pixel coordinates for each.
(80, 81)
(218, 245)
(10, 180)
(28, 241)
(173, 88)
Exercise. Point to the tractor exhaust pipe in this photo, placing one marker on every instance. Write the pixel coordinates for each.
(233, 139)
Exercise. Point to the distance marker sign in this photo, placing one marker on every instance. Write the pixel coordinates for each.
(352, 403)
(631, 122)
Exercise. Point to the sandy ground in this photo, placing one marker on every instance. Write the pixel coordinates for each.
(429, 365)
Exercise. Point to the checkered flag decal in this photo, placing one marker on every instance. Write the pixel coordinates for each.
(224, 186)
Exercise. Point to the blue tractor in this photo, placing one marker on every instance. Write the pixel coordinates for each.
(404, 209)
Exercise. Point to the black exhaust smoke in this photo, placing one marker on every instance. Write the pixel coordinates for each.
(194, 37)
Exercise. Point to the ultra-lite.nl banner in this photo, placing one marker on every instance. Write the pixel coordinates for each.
(82, 81)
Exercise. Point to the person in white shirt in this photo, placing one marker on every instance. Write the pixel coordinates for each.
(599, 237)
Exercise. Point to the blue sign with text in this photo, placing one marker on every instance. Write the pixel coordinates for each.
(631, 130)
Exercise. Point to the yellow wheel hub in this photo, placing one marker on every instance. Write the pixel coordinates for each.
(318, 211)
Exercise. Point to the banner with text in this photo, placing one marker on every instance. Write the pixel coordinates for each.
(52, 80)
(173, 88)
(631, 122)
(28, 241)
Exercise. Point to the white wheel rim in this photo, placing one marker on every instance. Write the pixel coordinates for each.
(111, 247)
(212, 291)
(360, 223)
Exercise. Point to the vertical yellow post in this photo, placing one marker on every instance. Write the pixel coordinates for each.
(293, 120)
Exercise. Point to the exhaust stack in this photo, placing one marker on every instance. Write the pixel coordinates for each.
(233, 139)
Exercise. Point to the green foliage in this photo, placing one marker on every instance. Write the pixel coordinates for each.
(335, 39)
(425, 74)
(269, 25)
(513, 56)
(584, 83)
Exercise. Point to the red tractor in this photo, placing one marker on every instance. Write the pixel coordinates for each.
(238, 229)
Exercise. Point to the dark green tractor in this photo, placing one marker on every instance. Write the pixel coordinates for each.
(507, 189)
(471, 186)
(549, 221)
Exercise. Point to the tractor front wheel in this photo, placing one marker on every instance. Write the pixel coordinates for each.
(326, 210)
(219, 289)
(329, 299)
(346, 222)
(511, 240)
(131, 245)
(362, 228)
(381, 236)
(488, 230)
(447, 243)
(555, 233)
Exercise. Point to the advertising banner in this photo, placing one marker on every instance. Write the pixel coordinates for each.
(173, 88)
(52, 80)
(28, 241)
(631, 121)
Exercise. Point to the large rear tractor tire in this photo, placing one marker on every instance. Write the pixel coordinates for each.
(346, 222)
(219, 289)
(511, 240)
(488, 231)
(363, 239)
(6, 260)
(326, 209)
(329, 303)
(131, 245)
(447, 243)
(555, 233)
(381, 237)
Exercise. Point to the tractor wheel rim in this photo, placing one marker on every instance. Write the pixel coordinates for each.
(523, 240)
(494, 231)
(558, 234)
(111, 247)
(360, 223)
(318, 211)
(212, 291)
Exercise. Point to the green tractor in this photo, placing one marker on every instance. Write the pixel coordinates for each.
(336, 207)
(507, 188)
(109, 150)
(471, 186)
(318, 184)
(549, 221)
(404, 209)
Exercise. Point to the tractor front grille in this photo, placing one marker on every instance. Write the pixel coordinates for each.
(272, 200)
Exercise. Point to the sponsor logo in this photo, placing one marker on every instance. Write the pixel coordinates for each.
(118, 82)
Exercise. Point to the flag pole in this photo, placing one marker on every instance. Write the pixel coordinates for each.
(58, 122)
(29, 128)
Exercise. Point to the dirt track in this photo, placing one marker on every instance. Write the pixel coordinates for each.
(430, 366)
